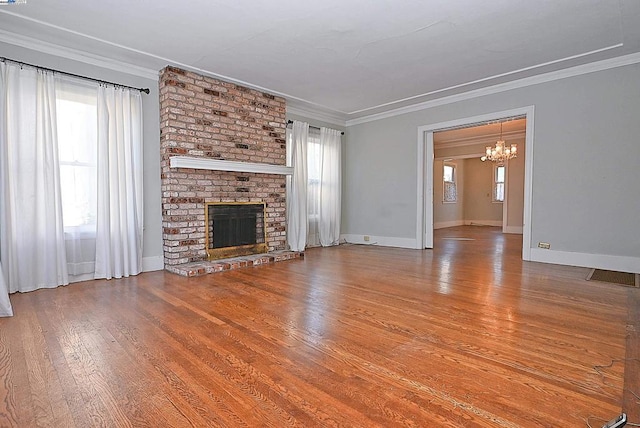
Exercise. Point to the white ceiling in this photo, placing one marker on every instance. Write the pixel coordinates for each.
(350, 58)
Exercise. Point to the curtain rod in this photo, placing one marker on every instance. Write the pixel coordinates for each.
(3, 59)
(314, 127)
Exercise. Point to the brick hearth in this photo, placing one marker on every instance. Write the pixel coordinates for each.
(206, 118)
(214, 266)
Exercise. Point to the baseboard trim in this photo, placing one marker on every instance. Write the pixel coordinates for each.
(150, 264)
(445, 224)
(598, 261)
(483, 223)
(513, 229)
(383, 241)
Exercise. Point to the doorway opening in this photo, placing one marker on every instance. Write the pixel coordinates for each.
(427, 161)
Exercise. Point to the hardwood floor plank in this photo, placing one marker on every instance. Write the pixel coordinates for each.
(20, 410)
(631, 395)
(311, 385)
(48, 401)
(388, 323)
(178, 376)
(465, 335)
(122, 389)
(9, 369)
(88, 400)
(238, 370)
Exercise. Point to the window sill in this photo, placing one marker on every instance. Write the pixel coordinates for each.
(80, 232)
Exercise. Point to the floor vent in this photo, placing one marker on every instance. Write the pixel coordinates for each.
(621, 278)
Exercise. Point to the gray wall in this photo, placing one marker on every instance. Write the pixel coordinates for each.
(152, 250)
(379, 181)
(479, 207)
(585, 188)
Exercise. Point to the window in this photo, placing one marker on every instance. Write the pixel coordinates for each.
(450, 193)
(313, 186)
(498, 183)
(313, 176)
(76, 113)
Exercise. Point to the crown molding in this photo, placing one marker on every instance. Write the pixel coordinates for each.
(294, 105)
(334, 118)
(579, 70)
(101, 61)
(453, 158)
(483, 139)
(486, 79)
(76, 55)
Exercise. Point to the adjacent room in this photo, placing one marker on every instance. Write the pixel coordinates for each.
(476, 191)
(219, 214)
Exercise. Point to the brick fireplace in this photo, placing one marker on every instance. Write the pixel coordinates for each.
(234, 229)
(204, 119)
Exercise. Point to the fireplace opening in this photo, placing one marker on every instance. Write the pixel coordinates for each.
(235, 229)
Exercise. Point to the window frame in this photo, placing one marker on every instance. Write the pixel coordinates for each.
(495, 183)
(313, 175)
(453, 182)
(70, 91)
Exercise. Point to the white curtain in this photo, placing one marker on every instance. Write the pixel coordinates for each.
(330, 187)
(314, 191)
(297, 225)
(45, 234)
(5, 303)
(32, 248)
(119, 216)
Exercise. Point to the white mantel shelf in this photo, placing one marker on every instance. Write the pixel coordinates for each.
(225, 165)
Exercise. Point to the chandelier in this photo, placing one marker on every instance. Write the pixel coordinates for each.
(501, 152)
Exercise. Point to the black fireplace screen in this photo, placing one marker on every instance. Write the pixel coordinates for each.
(234, 225)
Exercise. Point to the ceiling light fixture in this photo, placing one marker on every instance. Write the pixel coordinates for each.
(501, 152)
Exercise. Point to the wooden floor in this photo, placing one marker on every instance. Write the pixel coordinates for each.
(466, 335)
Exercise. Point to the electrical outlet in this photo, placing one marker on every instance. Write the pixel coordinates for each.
(544, 245)
(367, 238)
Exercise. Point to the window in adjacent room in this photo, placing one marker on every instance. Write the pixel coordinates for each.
(498, 183)
(450, 193)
